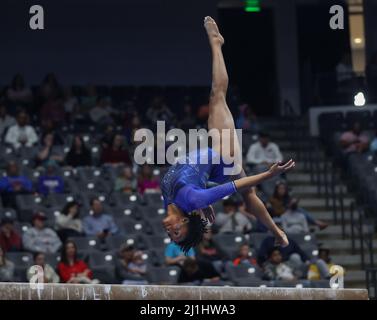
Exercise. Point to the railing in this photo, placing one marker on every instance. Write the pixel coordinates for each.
(358, 225)
(327, 182)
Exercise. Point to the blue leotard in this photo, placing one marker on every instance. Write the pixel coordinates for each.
(185, 182)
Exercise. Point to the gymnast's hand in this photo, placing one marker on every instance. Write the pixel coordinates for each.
(279, 168)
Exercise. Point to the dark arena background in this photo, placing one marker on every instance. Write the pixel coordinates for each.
(76, 84)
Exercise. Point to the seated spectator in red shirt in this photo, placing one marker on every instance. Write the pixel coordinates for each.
(354, 140)
(10, 240)
(116, 153)
(71, 269)
(244, 257)
(146, 181)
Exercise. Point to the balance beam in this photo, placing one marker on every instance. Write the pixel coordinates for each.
(23, 291)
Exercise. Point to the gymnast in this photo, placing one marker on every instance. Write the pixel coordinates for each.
(184, 187)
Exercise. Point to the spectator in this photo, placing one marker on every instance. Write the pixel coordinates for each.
(354, 140)
(99, 224)
(107, 138)
(275, 269)
(7, 268)
(39, 238)
(320, 270)
(292, 253)
(194, 272)
(209, 252)
(49, 274)
(78, 155)
(48, 126)
(71, 269)
(279, 203)
(373, 144)
(49, 88)
(159, 111)
(344, 70)
(175, 256)
(46, 153)
(131, 268)
(245, 257)
(10, 240)
(132, 128)
(12, 184)
(102, 113)
(116, 154)
(18, 93)
(126, 182)
(50, 182)
(146, 181)
(89, 99)
(264, 153)
(247, 119)
(68, 223)
(21, 134)
(53, 109)
(6, 120)
(71, 105)
(293, 220)
(188, 119)
(232, 220)
(260, 156)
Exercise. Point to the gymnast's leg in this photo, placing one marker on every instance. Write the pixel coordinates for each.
(221, 118)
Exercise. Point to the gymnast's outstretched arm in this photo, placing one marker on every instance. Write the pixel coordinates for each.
(190, 198)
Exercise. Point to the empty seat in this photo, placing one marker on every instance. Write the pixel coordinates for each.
(242, 274)
(86, 244)
(156, 242)
(8, 213)
(153, 198)
(256, 239)
(52, 259)
(115, 242)
(163, 275)
(303, 239)
(152, 211)
(121, 199)
(133, 227)
(105, 274)
(22, 261)
(99, 259)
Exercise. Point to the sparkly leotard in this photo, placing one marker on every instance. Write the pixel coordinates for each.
(185, 182)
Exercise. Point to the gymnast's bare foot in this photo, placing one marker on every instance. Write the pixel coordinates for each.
(214, 36)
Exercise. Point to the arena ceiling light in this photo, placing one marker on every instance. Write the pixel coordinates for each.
(359, 99)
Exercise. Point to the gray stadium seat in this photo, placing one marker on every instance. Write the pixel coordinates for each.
(163, 275)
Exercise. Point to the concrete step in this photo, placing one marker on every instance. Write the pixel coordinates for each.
(320, 203)
(354, 275)
(350, 261)
(335, 231)
(311, 190)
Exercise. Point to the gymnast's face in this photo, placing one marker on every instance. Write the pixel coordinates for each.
(175, 224)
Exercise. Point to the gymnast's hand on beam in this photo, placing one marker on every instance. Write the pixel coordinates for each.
(279, 168)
